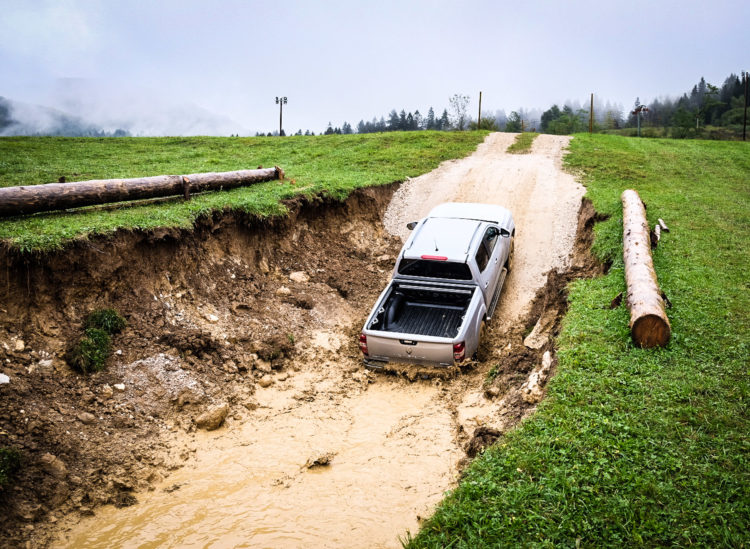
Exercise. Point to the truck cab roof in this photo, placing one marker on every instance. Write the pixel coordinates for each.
(450, 229)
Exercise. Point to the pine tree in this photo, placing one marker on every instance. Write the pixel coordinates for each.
(430, 119)
(392, 121)
(444, 122)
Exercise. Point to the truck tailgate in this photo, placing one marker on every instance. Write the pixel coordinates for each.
(428, 350)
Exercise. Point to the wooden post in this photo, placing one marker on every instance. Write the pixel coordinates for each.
(479, 116)
(57, 196)
(649, 325)
(591, 115)
(744, 116)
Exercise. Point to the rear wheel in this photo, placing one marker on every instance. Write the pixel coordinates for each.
(509, 261)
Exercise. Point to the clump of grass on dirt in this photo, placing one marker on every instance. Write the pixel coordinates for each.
(91, 352)
(10, 463)
(522, 144)
(330, 165)
(635, 447)
(108, 320)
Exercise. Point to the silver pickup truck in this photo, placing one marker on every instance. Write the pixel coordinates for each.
(446, 284)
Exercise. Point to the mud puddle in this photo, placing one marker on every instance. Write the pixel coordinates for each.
(382, 460)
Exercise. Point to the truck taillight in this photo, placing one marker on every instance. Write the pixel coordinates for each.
(363, 344)
(459, 351)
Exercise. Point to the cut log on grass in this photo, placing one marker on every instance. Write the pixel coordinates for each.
(649, 325)
(57, 196)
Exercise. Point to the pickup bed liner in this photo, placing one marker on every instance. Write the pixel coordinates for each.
(418, 311)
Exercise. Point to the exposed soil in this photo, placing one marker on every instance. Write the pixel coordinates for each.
(259, 319)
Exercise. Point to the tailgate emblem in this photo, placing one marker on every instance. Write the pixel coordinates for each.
(408, 351)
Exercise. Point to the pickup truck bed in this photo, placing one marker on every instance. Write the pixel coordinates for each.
(426, 311)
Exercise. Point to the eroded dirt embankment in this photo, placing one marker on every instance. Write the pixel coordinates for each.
(212, 314)
(315, 451)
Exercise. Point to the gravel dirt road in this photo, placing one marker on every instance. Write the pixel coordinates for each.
(544, 200)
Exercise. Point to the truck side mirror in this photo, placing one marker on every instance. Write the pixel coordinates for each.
(411, 225)
(505, 233)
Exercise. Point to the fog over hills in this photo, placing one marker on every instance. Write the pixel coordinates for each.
(80, 107)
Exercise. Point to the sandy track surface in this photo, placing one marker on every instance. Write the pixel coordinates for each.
(544, 201)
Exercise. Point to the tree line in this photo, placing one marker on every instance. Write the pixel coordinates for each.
(707, 111)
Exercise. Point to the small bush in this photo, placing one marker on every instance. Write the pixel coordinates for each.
(108, 320)
(91, 352)
(10, 462)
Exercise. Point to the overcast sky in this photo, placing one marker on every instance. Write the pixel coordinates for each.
(347, 60)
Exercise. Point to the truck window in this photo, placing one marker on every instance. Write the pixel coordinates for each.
(434, 269)
(482, 258)
(490, 239)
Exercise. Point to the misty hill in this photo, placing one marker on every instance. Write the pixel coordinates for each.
(18, 118)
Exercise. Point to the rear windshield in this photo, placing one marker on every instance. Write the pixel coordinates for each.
(434, 269)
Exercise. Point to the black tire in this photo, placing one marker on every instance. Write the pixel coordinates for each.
(509, 261)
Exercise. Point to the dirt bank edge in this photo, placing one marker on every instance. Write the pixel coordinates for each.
(83, 443)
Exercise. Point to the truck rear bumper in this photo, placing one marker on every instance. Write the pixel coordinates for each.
(379, 363)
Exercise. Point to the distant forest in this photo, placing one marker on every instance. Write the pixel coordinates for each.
(707, 111)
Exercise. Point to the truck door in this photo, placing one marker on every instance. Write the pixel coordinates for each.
(488, 262)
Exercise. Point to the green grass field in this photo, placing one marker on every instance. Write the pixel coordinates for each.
(332, 165)
(635, 447)
(522, 144)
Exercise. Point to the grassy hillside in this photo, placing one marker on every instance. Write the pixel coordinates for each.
(635, 447)
(334, 165)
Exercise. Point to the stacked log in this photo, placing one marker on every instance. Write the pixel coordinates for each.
(57, 196)
(649, 325)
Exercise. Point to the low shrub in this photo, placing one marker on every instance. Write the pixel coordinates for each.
(91, 352)
(108, 320)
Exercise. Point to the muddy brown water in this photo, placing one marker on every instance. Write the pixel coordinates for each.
(391, 457)
(387, 447)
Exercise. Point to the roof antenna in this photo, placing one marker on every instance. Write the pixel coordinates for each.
(436, 246)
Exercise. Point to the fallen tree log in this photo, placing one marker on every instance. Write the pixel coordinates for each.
(649, 325)
(57, 196)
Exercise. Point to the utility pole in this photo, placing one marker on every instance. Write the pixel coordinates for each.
(479, 117)
(744, 116)
(591, 115)
(639, 110)
(281, 101)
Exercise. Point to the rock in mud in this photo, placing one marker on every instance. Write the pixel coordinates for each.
(107, 391)
(492, 392)
(54, 466)
(213, 417)
(283, 290)
(4, 379)
(265, 381)
(119, 387)
(540, 334)
(321, 459)
(299, 276)
(86, 418)
(19, 345)
(531, 391)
